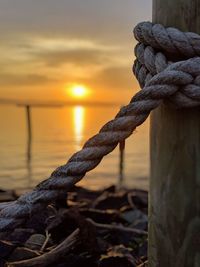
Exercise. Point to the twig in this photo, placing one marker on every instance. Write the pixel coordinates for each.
(117, 227)
(45, 242)
(130, 200)
(52, 256)
(144, 264)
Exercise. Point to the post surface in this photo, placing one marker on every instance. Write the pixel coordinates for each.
(174, 198)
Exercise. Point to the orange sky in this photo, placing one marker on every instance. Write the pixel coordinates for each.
(46, 48)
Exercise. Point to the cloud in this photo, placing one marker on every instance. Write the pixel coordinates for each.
(58, 42)
(59, 51)
(119, 77)
(79, 57)
(10, 79)
(106, 20)
(112, 78)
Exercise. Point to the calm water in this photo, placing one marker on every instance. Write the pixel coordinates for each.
(57, 134)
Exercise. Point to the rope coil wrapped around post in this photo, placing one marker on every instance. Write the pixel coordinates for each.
(167, 67)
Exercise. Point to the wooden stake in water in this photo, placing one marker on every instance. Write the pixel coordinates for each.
(29, 133)
(121, 162)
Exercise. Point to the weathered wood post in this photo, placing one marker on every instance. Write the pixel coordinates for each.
(174, 210)
(121, 162)
(29, 133)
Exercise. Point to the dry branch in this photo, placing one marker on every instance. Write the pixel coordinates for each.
(117, 227)
(50, 257)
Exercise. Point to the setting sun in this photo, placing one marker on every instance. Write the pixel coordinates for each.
(79, 91)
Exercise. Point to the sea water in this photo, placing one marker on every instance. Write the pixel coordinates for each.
(56, 134)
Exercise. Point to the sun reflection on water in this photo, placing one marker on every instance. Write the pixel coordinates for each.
(79, 114)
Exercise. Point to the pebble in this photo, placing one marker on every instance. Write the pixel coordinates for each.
(7, 195)
(20, 235)
(6, 248)
(21, 253)
(35, 241)
(134, 216)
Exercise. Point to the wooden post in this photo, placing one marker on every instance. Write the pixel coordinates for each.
(174, 209)
(29, 145)
(29, 135)
(121, 162)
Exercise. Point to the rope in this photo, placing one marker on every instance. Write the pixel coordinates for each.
(161, 79)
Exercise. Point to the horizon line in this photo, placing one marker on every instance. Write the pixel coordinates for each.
(50, 103)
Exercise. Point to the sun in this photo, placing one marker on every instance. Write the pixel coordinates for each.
(78, 91)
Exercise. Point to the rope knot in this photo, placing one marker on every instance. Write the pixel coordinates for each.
(167, 64)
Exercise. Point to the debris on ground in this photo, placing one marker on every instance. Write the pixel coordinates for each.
(104, 228)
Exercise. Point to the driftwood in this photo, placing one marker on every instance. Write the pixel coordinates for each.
(51, 256)
(117, 227)
(101, 230)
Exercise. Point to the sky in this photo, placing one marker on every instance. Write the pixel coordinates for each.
(49, 46)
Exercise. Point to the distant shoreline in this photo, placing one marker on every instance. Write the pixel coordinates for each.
(34, 103)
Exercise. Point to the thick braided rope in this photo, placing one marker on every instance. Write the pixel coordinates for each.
(162, 80)
(154, 39)
(148, 63)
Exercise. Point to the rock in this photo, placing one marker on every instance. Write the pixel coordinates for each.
(119, 256)
(102, 216)
(120, 237)
(82, 204)
(139, 198)
(67, 221)
(125, 207)
(2, 263)
(21, 253)
(61, 225)
(110, 201)
(39, 222)
(102, 244)
(6, 248)
(61, 202)
(143, 249)
(134, 217)
(20, 235)
(110, 189)
(80, 194)
(35, 241)
(73, 260)
(139, 202)
(140, 225)
(5, 235)
(7, 195)
(115, 261)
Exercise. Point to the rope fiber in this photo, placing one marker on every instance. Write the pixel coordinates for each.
(167, 67)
